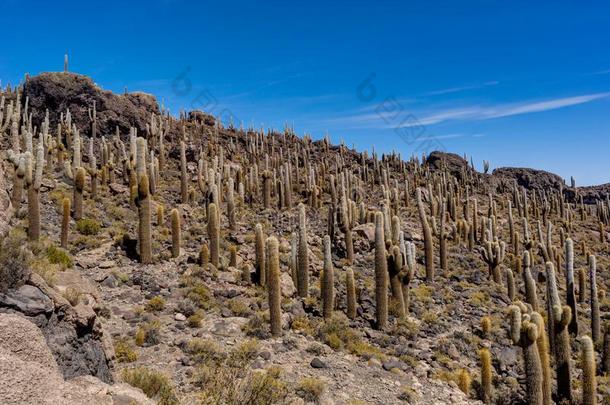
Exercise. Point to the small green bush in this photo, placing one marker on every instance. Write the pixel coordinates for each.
(311, 389)
(88, 227)
(124, 352)
(57, 255)
(155, 304)
(154, 384)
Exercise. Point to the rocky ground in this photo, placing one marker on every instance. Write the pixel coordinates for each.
(205, 330)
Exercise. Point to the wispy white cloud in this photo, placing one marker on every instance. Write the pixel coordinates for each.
(461, 88)
(380, 118)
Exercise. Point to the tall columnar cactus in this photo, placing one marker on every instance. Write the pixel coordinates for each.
(510, 283)
(183, 175)
(303, 256)
(273, 286)
(65, 222)
(350, 287)
(605, 366)
(595, 317)
(33, 181)
(259, 247)
(267, 180)
(381, 273)
(525, 334)
(486, 376)
(582, 285)
(589, 379)
(428, 246)
(144, 217)
(407, 273)
(328, 293)
(79, 185)
(545, 362)
(531, 295)
(214, 234)
(563, 352)
(570, 295)
(231, 205)
(160, 215)
(442, 236)
(175, 218)
(395, 266)
(493, 253)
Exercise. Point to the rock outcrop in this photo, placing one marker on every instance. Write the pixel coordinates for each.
(30, 375)
(58, 91)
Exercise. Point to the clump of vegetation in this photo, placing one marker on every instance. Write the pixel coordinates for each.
(194, 321)
(148, 334)
(258, 326)
(155, 304)
(310, 389)
(153, 383)
(72, 295)
(14, 261)
(336, 332)
(88, 227)
(124, 352)
(59, 256)
(239, 307)
(198, 293)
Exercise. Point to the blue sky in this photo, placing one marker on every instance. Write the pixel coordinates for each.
(516, 83)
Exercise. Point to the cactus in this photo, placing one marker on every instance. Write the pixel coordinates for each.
(273, 284)
(582, 285)
(486, 375)
(381, 274)
(232, 256)
(395, 266)
(525, 334)
(595, 317)
(589, 379)
(350, 287)
(231, 205)
(442, 236)
(328, 291)
(303, 257)
(428, 248)
(531, 296)
(183, 174)
(144, 215)
(563, 352)
(605, 366)
(267, 179)
(204, 256)
(79, 185)
(545, 362)
(214, 234)
(510, 282)
(259, 243)
(570, 296)
(160, 215)
(175, 218)
(65, 222)
(33, 181)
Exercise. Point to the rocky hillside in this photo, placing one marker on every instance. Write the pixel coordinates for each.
(200, 264)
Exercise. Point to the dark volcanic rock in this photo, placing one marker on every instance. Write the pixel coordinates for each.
(454, 163)
(57, 91)
(529, 178)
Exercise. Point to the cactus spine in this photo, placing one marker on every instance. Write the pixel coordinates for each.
(214, 234)
(303, 258)
(381, 273)
(175, 217)
(428, 248)
(275, 310)
(328, 285)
